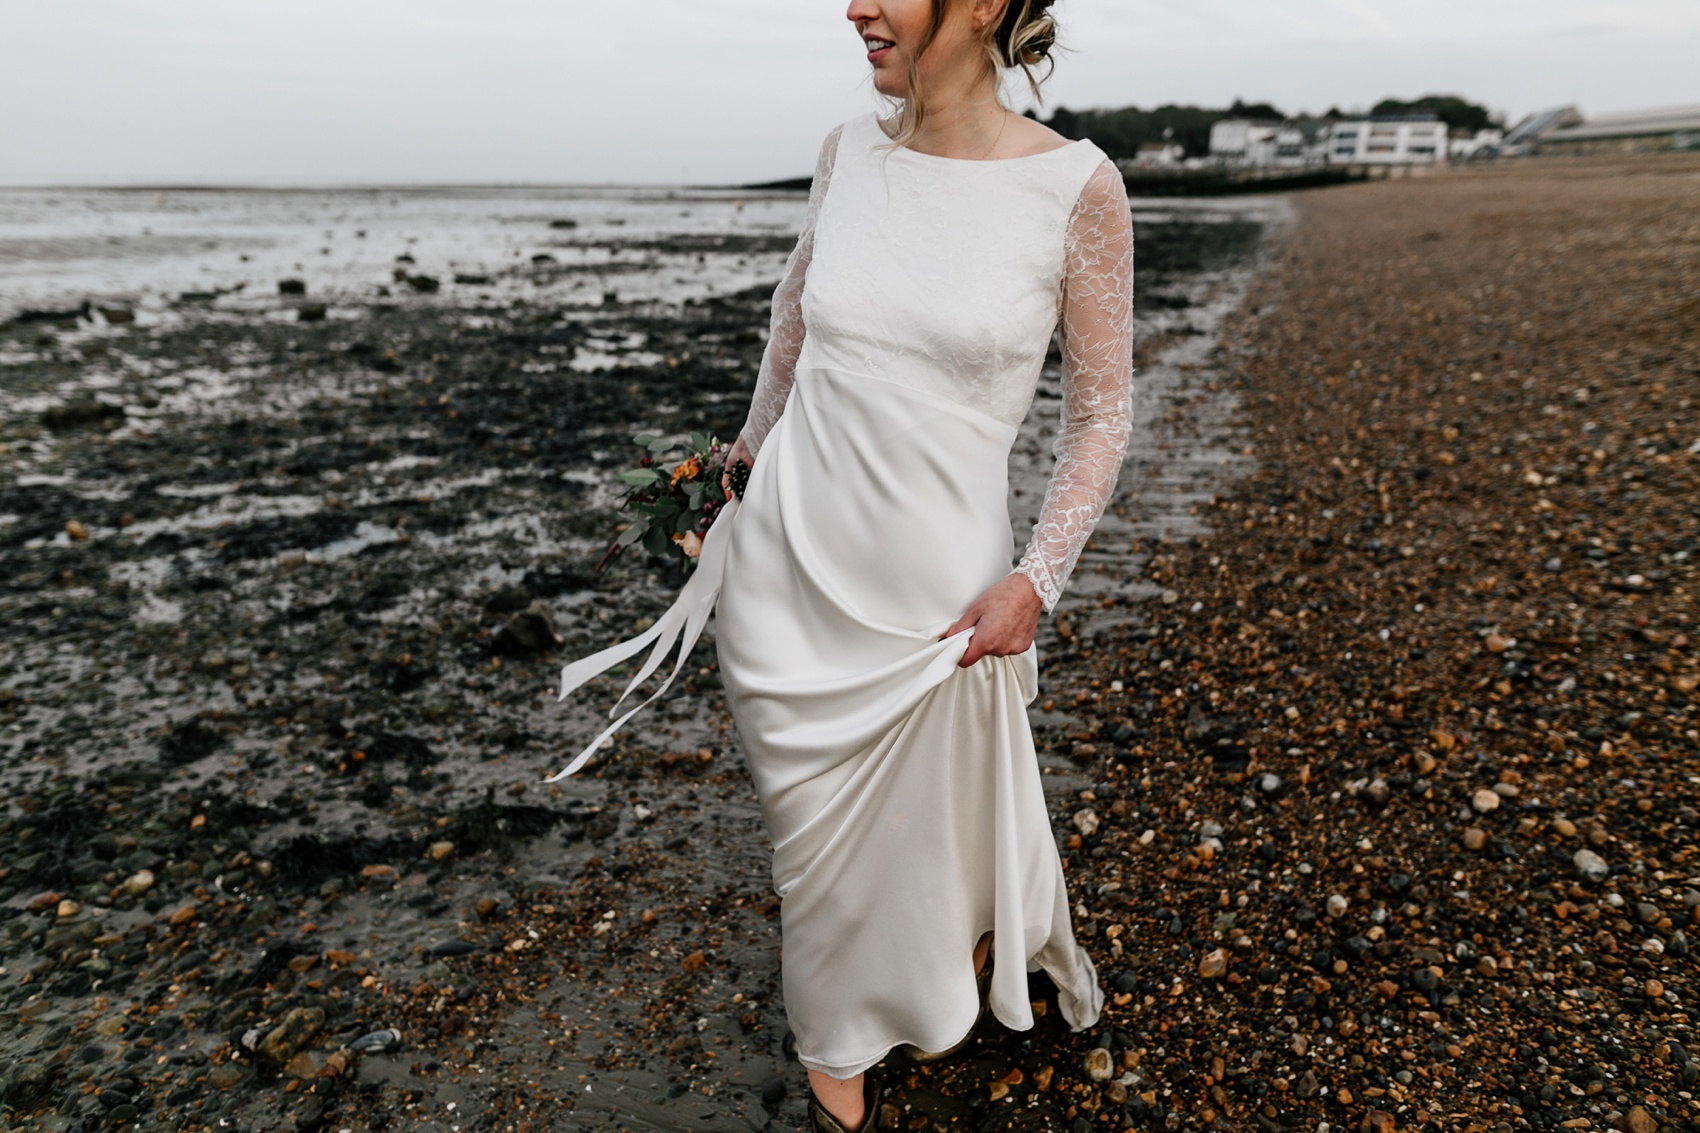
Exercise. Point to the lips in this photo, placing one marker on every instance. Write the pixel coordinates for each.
(877, 48)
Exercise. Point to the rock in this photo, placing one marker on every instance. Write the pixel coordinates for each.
(1213, 965)
(67, 909)
(528, 632)
(291, 287)
(773, 1091)
(83, 411)
(42, 902)
(424, 284)
(437, 851)
(1337, 905)
(139, 882)
(1086, 821)
(1475, 838)
(311, 312)
(1638, 1120)
(182, 916)
(472, 279)
(1307, 1085)
(379, 1041)
(452, 948)
(1591, 866)
(563, 222)
(1653, 989)
(1564, 827)
(1100, 1066)
(1486, 800)
(1377, 1121)
(295, 1030)
(118, 316)
(302, 1064)
(1270, 784)
(1378, 792)
(28, 1085)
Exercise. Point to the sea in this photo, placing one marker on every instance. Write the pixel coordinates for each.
(145, 247)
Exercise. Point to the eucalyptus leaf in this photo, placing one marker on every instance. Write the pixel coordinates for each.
(641, 477)
(633, 533)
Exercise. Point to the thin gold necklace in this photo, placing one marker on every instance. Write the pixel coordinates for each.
(1002, 122)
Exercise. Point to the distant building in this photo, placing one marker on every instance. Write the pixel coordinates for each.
(1159, 155)
(1261, 143)
(1394, 139)
(1527, 134)
(1244, 141)
(1638, 131)
(1485, 143)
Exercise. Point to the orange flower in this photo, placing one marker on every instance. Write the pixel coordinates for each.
(686, 471)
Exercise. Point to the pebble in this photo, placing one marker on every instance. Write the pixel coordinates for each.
(138, 883)
(1100, 1066)
(1337, 905)
(1475, 838)
(1590, 865)
(382, 1041)
(1486, 800)
(1213, 965)
(296, 1028)
(1086, 821)
(437, 851)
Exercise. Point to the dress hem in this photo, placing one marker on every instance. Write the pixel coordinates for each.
(846, 1071)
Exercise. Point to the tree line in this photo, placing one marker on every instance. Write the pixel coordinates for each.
(1120, 133)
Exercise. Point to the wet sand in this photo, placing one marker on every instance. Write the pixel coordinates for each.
(284, 599)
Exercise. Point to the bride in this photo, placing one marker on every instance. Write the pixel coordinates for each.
(875, 643)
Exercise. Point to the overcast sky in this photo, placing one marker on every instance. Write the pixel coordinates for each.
(713, 90)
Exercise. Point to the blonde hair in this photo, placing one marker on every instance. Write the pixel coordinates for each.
(1023, 37)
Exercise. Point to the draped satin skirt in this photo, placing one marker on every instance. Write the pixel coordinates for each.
(901, 791)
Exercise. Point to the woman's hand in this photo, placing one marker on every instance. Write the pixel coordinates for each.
(1004, 620)
(740, 454)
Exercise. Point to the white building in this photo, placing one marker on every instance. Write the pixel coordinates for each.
(1243, 141)
(1393, 140)
(1484, 144)
(1248, 142)
(1159, 155)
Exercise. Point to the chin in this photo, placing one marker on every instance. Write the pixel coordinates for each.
(890, 85)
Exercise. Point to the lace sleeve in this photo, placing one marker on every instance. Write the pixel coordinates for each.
(785, 337)
(1097, 417)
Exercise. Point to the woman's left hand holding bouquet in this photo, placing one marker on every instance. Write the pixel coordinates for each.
(740, 454)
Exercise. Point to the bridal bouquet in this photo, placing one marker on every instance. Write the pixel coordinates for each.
(675, 492)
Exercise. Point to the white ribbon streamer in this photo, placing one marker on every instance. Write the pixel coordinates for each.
(681, 625)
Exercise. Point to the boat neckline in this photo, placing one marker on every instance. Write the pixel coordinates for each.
(880, 130)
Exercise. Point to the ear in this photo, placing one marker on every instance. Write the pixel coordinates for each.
(985, 13)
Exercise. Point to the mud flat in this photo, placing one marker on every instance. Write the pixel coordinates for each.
(285, 591)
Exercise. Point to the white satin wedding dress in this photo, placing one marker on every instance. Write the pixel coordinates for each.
(901, 791)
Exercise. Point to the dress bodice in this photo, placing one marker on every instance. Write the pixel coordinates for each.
(939, 273)
(950, 276)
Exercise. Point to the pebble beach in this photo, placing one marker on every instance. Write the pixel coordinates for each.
(1367, 723)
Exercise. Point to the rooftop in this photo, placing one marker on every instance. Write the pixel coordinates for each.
(1632, 123)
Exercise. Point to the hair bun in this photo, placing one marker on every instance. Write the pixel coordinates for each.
(1027, 33)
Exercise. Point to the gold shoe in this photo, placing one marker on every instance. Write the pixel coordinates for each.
(821, 1121)
(984, 982)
